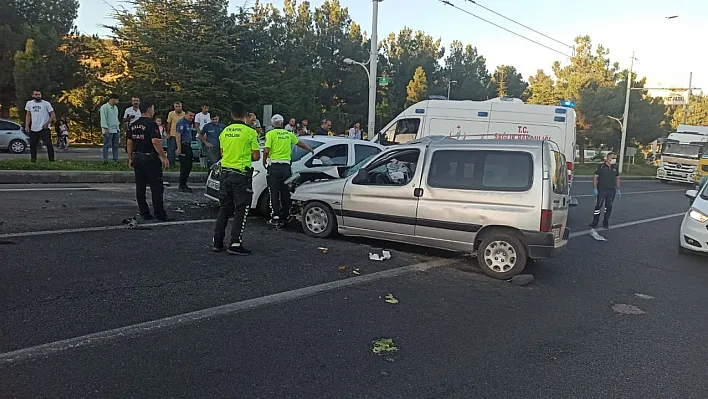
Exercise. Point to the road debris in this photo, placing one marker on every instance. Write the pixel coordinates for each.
(522, 279)
(623, 308)
(644, 296)
(343, 268)
(356, 272)
(323, 250)
(179, 210)
(597, 235)
(385, 255)
(131, 222)
(391, 299)
(383, 346)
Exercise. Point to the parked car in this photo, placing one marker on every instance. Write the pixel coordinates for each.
(506, 201)
(13, 137)
(694, 228)
(328, 152)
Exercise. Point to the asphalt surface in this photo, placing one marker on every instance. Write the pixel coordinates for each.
(73, 153)
(459, 333)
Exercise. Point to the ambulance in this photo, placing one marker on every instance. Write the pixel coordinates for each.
(500, 118)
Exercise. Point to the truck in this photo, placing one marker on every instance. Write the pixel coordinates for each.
(499, 118)
(681, 154)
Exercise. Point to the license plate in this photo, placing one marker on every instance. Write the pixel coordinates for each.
(557, 233)
(213, 184)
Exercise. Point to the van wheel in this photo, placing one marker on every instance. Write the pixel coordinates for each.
(502, 256)
(318, 220)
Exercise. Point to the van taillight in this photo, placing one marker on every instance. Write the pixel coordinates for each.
(571, 166)
(546, 221)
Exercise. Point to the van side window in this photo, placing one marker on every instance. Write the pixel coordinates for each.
(395, 169)
(403, 131)
(481, 170)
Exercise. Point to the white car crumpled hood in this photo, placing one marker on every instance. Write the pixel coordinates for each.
(328, 191)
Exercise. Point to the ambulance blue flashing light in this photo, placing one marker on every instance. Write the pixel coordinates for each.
(567, 103)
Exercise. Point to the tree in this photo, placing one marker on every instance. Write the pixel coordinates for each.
(541, 89)
(697, 114)
(465, 66)
(417, 88)
(46, 23)
(30, 72)
(507, 82)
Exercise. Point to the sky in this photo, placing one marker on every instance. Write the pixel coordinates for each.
(666, 50)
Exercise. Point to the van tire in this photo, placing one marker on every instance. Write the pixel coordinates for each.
(318, 220)
(502, 255)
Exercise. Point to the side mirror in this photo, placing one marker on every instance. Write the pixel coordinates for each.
(361, 176)
(317, 162)
(692, 194)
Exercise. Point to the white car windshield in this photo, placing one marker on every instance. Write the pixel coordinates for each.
(298, 152)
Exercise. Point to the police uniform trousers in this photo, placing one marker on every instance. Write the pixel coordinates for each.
(235, 193)
(280, 202)
(148, 172)
(605, 197)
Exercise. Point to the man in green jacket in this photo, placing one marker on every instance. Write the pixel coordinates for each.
(110, 127)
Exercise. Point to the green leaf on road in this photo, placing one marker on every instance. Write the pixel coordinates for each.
(383, 346)
(391, 299)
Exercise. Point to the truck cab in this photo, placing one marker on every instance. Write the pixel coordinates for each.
(682, 153)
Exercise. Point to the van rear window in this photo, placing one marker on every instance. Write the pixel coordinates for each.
(481, 170)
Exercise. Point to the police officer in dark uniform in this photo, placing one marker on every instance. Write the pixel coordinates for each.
(144, 155)
(607, 185)
(239, 149)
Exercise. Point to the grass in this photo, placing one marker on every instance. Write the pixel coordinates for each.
(630, 170)
(75, 165)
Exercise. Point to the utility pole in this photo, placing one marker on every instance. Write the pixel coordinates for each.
(688, 100)
(449, 85)
(625, 117)
(373, 72)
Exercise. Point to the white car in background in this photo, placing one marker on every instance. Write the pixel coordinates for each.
(328, 152)
(12, 137)
(694, 228)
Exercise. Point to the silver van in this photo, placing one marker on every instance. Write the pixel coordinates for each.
(505, 200)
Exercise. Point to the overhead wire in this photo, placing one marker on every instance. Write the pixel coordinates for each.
(447, 2)
(522, 25)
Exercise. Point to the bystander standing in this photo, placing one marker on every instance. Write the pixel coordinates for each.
(187, 133)
(210, 139)
(110, 126)
(355, 132)
(324, 129)
(39, 117)
(172, 119)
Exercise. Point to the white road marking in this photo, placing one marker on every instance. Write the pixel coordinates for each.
(629, 224)
(103, 228)
(623, 181)
(99, 338)
(10, 190)
(633, 192)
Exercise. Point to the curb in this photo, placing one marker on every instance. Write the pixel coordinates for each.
(59, 176)
(589, 178)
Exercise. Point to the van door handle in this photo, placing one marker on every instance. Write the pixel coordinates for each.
(418, 192)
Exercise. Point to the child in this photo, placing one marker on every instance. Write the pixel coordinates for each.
(63, 134)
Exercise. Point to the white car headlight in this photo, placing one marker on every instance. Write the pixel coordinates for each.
(697, 215)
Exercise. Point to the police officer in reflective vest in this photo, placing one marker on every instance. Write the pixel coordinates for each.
(278, 148)
(239, 148)
(607, 185)
(144, 155)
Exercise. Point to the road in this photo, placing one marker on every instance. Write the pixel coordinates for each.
(73, 153)
(90, 309)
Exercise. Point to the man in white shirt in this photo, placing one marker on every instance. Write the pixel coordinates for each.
(291, 126)
(40, 115)
(200, 120)
(132, 113)
(355, 132)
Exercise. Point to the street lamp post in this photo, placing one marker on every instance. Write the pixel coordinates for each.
(625, 117)
(449, 84)
(373, 65)
(371, 71)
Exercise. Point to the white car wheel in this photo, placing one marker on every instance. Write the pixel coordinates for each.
(17, 146)
(318, 220)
